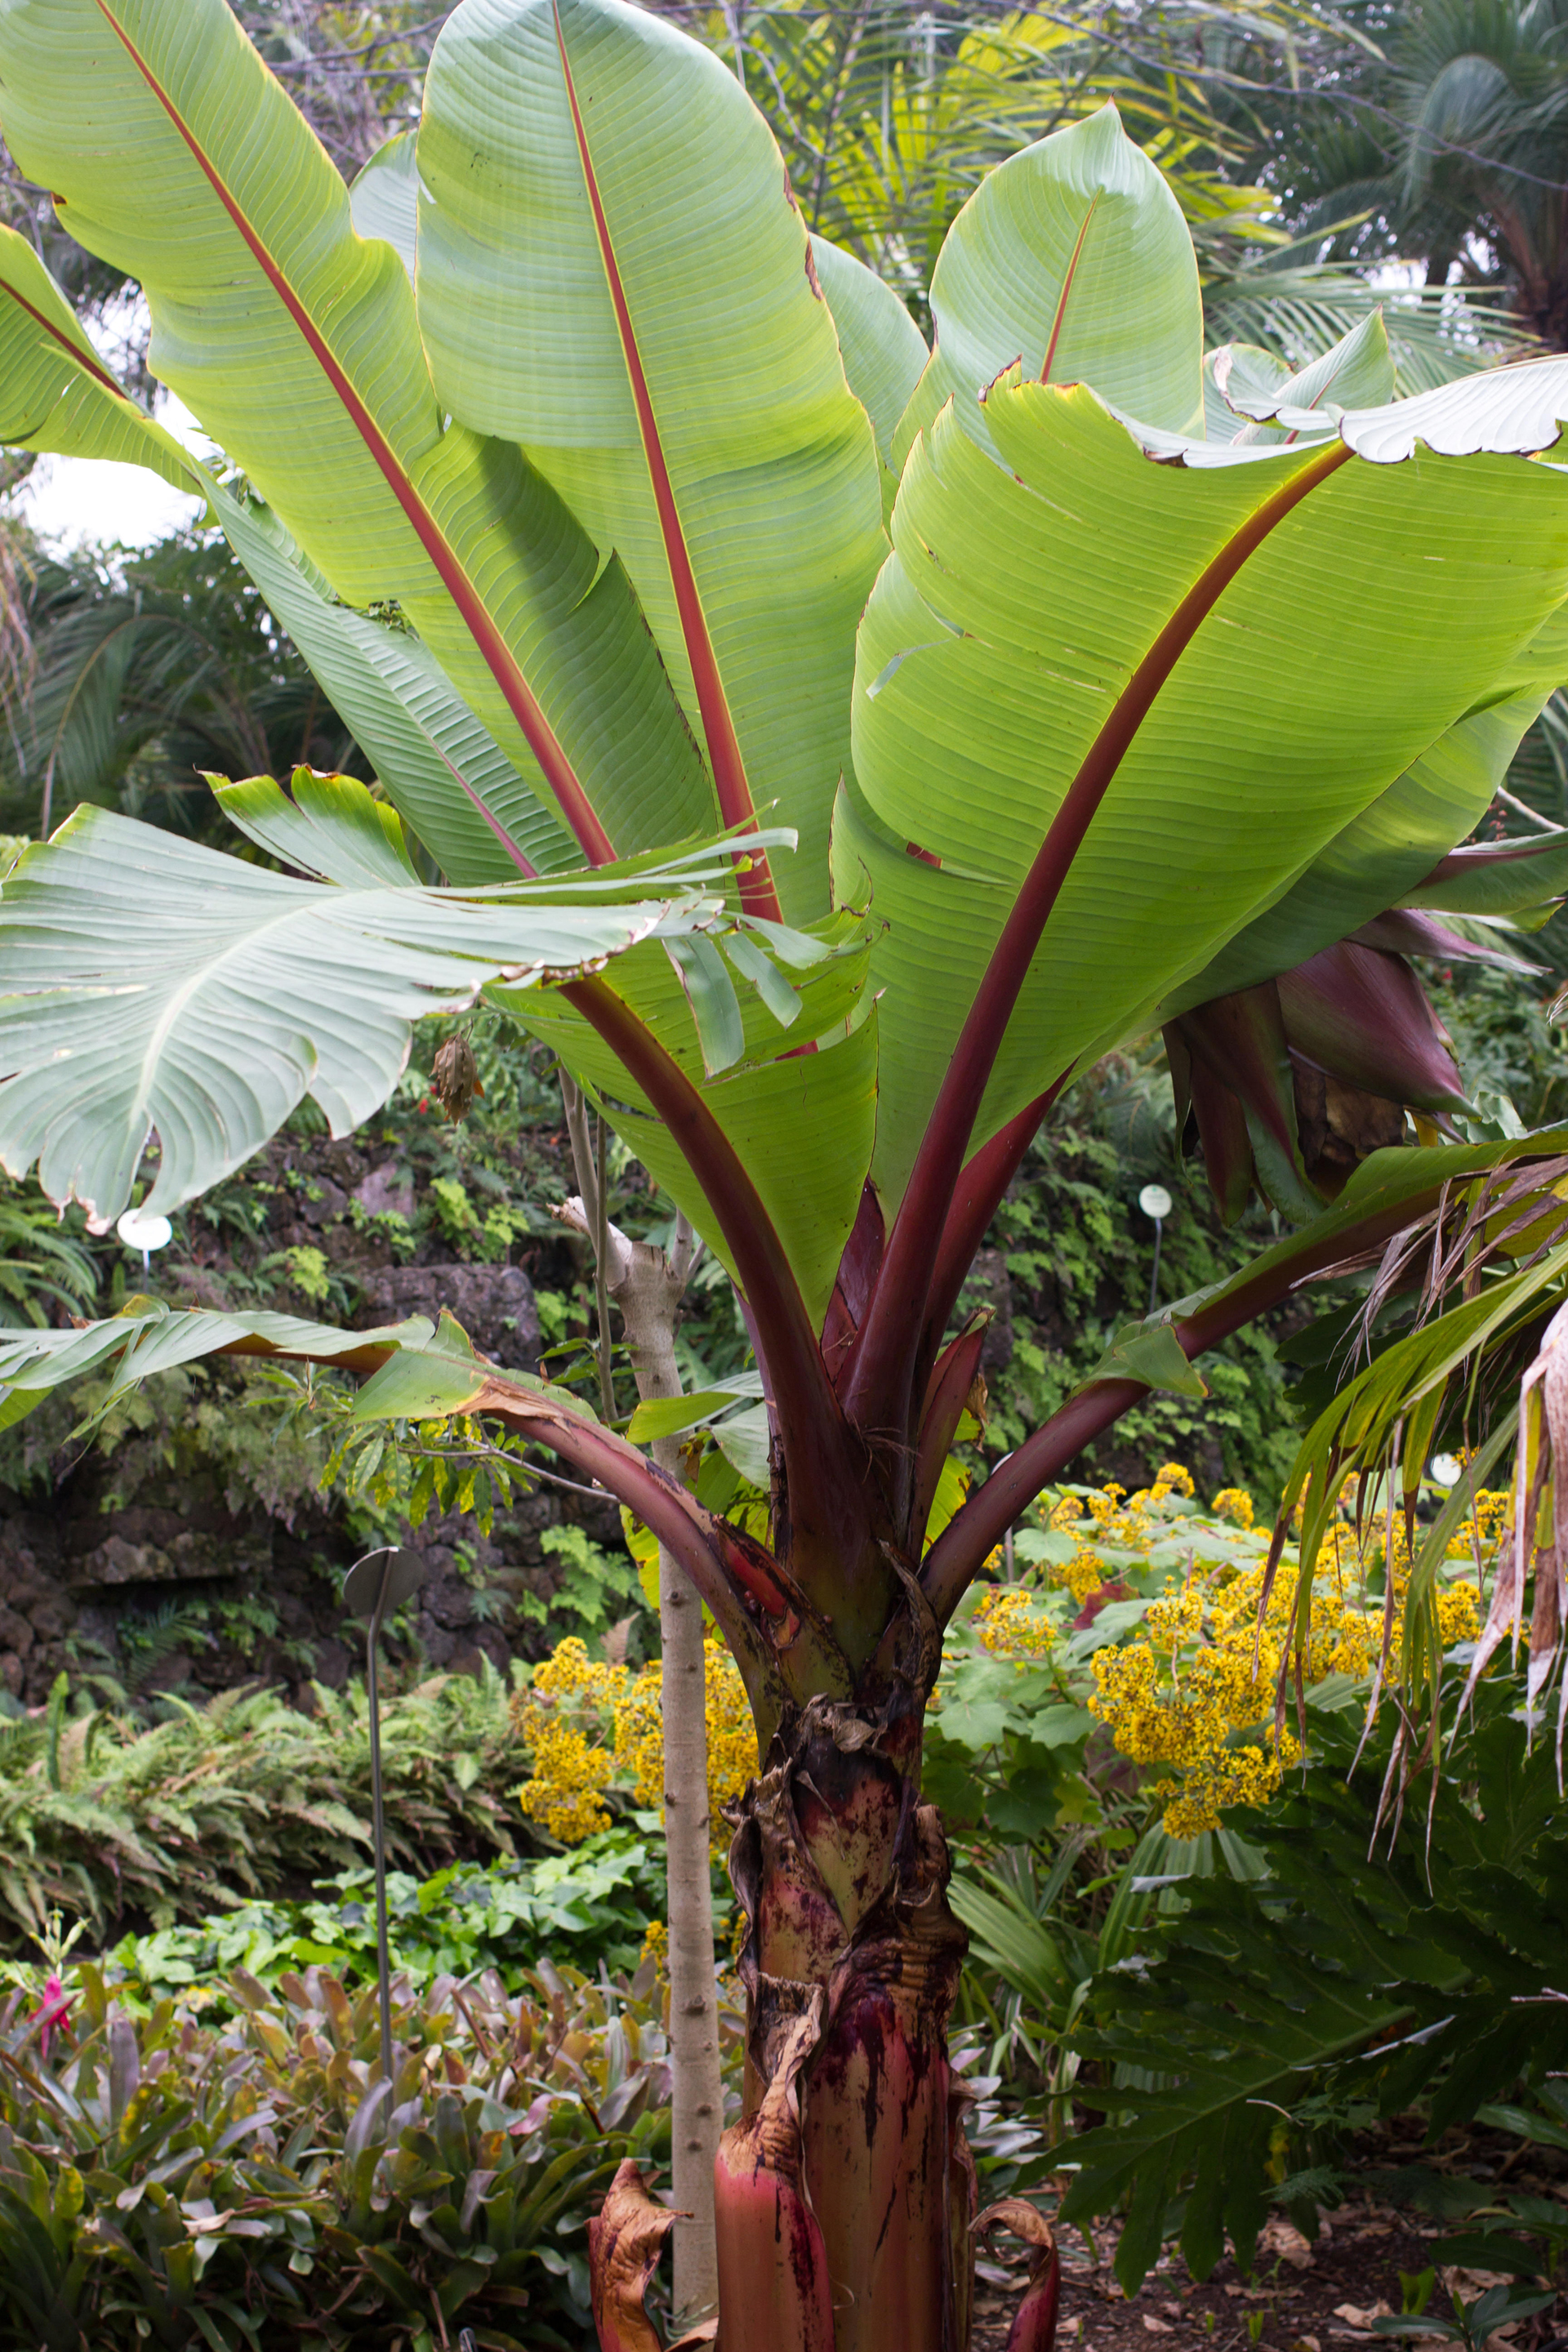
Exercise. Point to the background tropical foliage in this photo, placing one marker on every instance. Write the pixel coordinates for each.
(1122, 1907)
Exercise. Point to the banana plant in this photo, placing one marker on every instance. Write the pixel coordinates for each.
(830, 747)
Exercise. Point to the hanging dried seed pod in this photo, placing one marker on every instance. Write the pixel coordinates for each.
(455, 1077)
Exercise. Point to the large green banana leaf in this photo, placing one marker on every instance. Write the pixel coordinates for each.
(440, 766)
(612, 274)
(1007, 631)
(883, 350)
(1391, 848)
(804, 1121)
(55, 391)
(786, 1066)
(174, 153)
(624, 363)
(800, 1110)
(153, 983)
(443, 770)
(1072, 257)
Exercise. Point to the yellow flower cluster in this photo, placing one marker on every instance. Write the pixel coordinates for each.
(1491, 1519)
(1235, 1504)
(1196, 1690)
(1009, 1624)
(570, 1771)
(732, 1739)
(1172, 1480)
(592, 1727)
(1189, 1713)
(1108, 1522)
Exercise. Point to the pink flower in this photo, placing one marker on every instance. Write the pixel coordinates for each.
(52, 2016)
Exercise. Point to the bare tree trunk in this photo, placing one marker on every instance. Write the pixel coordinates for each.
(697, 2120)
(647, 1286)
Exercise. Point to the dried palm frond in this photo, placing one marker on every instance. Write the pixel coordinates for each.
(1540, 1546)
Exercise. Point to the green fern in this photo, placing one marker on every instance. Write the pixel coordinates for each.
(242, 1795)
(1414, 1968)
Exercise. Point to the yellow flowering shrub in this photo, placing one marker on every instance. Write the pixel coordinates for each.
(1194, 1690)
(1188, 1690)
(1490, 1520)
(1111, 1520)
(1008, 1623)
(593, 1726)
(559, 1713)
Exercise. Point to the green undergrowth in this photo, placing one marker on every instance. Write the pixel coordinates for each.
(231, 2188)
(199, 2154)
(590, 1909)
(1376, 1962)
(101, 1813)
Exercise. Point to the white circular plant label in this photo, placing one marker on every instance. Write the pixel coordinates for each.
(139, 1232)
(1154, 1201)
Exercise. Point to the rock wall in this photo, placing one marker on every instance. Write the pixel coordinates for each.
(84, 1588)
(158, 1565)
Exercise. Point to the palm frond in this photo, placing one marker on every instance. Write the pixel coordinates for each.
(1435, 332)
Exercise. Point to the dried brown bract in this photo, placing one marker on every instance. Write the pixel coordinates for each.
(455, 1078)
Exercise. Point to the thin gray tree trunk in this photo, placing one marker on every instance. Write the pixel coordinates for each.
(647, 1286)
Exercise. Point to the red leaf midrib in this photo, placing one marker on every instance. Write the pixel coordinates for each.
(74, 351)
(876, 1396)
(1055, 335)
(499, 659)
(729, 781)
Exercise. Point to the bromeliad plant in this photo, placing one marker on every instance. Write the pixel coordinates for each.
(1098, 687)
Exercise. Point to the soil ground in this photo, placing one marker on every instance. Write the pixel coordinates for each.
(1301, 2297)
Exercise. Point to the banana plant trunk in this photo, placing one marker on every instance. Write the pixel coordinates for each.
(846, 2195)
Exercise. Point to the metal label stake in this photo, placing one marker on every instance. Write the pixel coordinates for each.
(380, 1581)
(1156, 1204)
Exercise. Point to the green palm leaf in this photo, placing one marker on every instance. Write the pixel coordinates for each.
(1435, 332)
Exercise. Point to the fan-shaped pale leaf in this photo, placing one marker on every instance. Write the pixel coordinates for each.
(152, 984)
